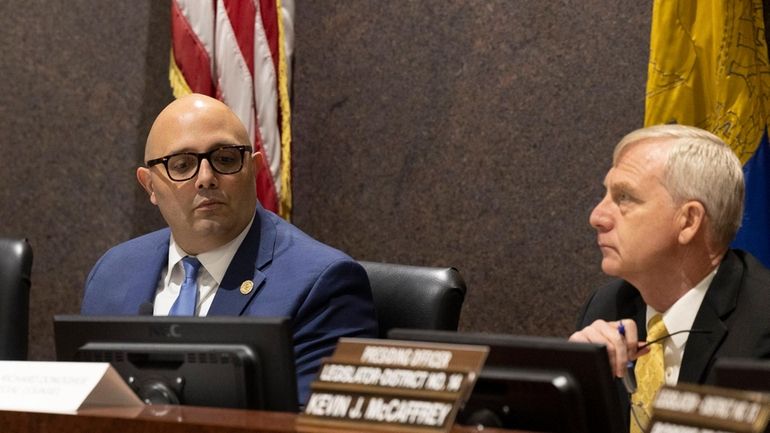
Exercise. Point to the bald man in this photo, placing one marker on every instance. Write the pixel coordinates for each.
(200, 173)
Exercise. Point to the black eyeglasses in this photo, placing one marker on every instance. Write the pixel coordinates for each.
(638, 412)
(629, 379)
(184, 166)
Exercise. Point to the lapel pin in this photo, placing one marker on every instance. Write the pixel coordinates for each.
(246, 287)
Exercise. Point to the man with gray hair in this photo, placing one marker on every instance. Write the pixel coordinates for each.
(673, 203)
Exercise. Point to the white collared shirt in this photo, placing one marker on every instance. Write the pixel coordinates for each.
(214, 264)
(679, 317)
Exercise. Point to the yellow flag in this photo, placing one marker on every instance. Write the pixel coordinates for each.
(709, 68)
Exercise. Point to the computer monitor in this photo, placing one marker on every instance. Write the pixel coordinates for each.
(237, 362)
(537, 383)
(741, 373)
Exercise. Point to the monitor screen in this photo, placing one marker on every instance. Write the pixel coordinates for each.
(537, 383)
(740, 373)
(237, 362)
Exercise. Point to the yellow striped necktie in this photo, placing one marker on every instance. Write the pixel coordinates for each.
(649, 374)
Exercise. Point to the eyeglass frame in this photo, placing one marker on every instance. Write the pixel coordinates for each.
(200, 156)
(629, 379)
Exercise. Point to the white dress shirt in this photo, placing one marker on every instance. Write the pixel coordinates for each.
(679, 317)
(214, 264)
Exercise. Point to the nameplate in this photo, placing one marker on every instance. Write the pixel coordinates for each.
(688, 408)
(62, 387)
(387, 385)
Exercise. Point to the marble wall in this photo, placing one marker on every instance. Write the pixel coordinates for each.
(470, 133)
(474, 134)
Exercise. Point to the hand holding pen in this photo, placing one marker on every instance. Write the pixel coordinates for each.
(642, 348)
(622, 347)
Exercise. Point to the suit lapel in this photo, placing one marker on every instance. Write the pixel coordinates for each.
(630, 305)
(719, 302)
(144, 284)
(255, 252)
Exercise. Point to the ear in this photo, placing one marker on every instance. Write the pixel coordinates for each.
(144, 177)
(691, 218)
(259, 162)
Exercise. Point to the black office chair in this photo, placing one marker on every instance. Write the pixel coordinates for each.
(15, 269)
(415, 297)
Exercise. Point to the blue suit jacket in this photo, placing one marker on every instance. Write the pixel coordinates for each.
(324, 291)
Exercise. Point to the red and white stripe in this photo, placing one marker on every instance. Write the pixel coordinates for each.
(236, 51)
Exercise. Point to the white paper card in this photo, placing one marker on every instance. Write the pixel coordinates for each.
(62, 387)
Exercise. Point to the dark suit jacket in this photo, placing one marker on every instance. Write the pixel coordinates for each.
(735, 312)
(324, 291)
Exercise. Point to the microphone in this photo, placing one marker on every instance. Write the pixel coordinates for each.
(146, 309)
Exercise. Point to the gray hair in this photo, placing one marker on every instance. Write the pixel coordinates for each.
(700, 166)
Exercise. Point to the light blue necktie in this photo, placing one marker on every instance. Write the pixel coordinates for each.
(188, 295)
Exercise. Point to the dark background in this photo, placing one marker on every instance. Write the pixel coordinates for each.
(474, 134)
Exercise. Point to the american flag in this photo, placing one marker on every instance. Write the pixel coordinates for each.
(239, 51)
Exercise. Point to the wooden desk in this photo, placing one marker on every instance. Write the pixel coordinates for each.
(161, 419)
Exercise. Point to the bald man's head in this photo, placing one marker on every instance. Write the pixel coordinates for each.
(214, 195)
(185, 110)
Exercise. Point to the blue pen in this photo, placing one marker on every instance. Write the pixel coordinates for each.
(629, 380)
